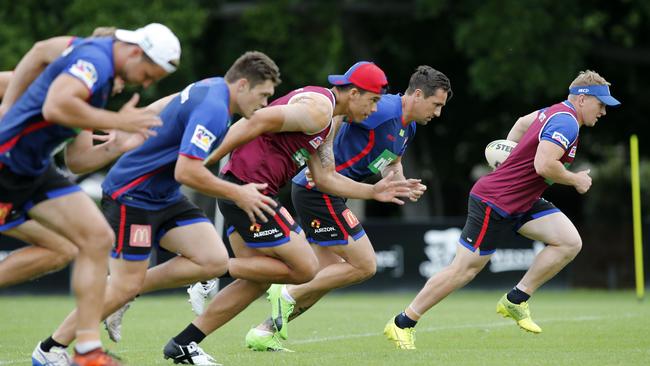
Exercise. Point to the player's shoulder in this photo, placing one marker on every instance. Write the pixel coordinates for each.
(389, 108)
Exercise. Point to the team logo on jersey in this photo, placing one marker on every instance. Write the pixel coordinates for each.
(559, 137)
(140, 236)
(255, 228)
(300, 157)
(316, 142)
(202, 138)
(315, 223)
(5, 209)
(287, 216)
(84, 71)
(350, 218)
(572, 153)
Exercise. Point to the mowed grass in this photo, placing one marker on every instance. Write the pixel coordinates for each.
(579, 328)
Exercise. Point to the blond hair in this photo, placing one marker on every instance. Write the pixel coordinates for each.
(588, 77)
(104, 32)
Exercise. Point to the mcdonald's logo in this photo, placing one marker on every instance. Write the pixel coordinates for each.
(140, 236)
(5, 209)
(350, 218)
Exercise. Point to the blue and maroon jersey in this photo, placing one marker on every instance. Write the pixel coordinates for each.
(515, 186)
(365, 149)
(274, 158)
(27, 140)
(194, 124)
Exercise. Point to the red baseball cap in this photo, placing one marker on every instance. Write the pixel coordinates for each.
(366, 75)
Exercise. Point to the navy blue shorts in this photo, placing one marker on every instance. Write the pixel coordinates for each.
(275, 232)
(19, 193)
(326, 219)
(138, 230)
(485, 229)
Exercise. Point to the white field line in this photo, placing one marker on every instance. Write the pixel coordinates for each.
(508, 323)
(500, 324)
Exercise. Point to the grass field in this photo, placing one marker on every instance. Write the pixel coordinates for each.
(580, 328)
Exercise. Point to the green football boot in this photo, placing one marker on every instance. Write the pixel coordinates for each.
(280, 310)
(264, 341)
(519, 312)
(401, 338)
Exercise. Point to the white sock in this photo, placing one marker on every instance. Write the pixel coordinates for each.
(286, 295)
(262, 332)
(85, 347)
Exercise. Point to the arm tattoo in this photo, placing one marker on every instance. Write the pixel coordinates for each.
(326, 153)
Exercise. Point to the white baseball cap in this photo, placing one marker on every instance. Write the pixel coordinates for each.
(157, 41)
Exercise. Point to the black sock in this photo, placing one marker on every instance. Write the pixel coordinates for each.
(403, 321)
(48, 343)
(189, 334)
(516, 296)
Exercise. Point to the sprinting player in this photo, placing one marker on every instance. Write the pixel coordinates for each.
(293, 131)
(508, 202)
(142, 199)
(69, 95)
(13, 83)
(361, 150)
(49, 251)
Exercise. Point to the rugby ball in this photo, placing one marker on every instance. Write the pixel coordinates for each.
(497, 151)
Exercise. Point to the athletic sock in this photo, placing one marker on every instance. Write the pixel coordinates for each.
(85, 347)
(403, 321)
(516, 296)
(48, 343)
(190, 334)
(287, 296)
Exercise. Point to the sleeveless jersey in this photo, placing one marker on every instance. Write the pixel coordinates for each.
(515, 186)
(364, 149)
(27, 140)
(274, 158)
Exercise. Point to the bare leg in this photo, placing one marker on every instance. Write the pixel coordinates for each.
(356, 263)
(123, 285)
(465, 266)
(76, 217)
(203, 256)
(563, 244)
(49, 252)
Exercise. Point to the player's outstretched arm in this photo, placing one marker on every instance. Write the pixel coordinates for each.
(83, 156)
(548, 165)
(30, 66)
(321, 165)
(160, 104)
(5, 78)
(192, 173)
(521, 126)
(65, 104)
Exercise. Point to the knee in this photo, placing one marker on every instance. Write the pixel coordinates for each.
(305, 272)
(464, 273)
(366, 270)
(572, 247)
(65, 255)
(124, 290)
(97, 239)
(214, 266)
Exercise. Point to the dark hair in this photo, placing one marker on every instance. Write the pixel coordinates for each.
(254, 66)
(347, 87)
(428, 79)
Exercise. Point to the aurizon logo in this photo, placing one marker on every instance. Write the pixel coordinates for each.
(315, 223)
